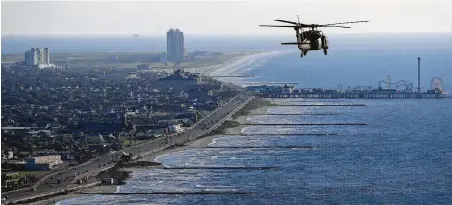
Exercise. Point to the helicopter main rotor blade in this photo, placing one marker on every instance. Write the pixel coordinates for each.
(345, 23)
(334, 26)
(284, 21)
(278, 26)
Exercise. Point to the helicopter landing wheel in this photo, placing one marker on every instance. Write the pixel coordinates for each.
(305, 52)
(301, 55)
(325, 51)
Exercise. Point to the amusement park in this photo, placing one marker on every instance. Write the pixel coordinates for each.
(386, 90)
(437, 86)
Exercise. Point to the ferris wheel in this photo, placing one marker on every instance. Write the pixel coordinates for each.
(437, 83)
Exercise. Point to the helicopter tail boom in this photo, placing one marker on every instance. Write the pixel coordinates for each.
(294, 43)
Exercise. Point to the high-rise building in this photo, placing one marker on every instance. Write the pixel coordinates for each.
(46, 56)
(175, 45)
(36, 57)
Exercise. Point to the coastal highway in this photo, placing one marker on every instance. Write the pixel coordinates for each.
(92, 167)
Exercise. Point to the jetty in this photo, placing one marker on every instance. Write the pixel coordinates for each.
(175, 193)
(260, 147)
(225, 167)
(305, 124)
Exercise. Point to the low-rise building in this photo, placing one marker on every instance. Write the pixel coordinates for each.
(175, 128)
(42, 163)
(200, 95)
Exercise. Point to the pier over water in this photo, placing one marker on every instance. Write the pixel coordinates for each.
(356, 95)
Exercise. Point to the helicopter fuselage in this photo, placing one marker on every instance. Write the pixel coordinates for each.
(311, 40)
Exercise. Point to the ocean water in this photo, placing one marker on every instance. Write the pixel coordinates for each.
(358, 67)
(403, 155)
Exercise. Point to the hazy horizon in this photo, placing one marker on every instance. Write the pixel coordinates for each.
(127, 43)
(287, 33)
(214, 18)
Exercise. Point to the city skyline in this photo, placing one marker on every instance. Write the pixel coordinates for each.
(214, 18)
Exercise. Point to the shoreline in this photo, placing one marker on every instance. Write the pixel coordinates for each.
(94, 190)
(239, 63)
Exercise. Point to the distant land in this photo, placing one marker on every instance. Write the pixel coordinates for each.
(85, 43)
(124, 59)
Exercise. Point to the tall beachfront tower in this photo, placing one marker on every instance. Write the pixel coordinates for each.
(175, 45)
(37, 57)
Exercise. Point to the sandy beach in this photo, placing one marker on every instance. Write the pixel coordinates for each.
(202, 142)
(235, 66)
(97, 189)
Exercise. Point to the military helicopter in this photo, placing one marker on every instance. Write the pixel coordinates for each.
(311, 39)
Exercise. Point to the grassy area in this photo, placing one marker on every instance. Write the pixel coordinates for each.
(89, 57)
(254, 104)
(122, 59)
(126, 143)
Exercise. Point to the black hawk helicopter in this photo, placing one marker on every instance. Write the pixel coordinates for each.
(311, 39)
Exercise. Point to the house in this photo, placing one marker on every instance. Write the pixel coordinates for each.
(42, 163)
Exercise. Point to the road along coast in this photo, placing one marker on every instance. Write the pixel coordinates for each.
(155, 147)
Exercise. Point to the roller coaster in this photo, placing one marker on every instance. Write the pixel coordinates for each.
(437, 85)
(401, 85)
